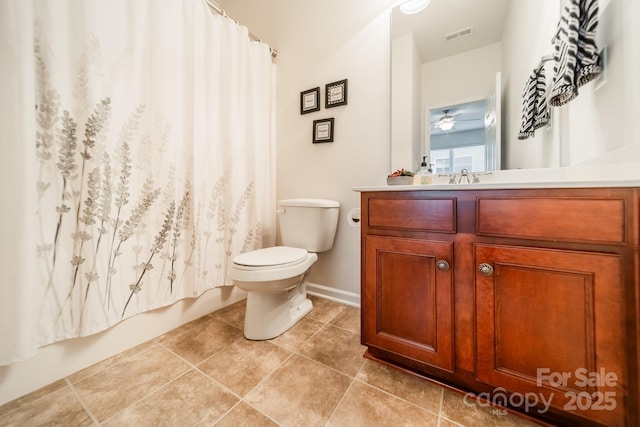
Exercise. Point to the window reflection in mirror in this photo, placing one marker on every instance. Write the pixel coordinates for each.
(458, 138)
(465, 135)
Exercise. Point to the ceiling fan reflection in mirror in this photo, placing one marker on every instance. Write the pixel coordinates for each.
(446, 122)
(458, 118)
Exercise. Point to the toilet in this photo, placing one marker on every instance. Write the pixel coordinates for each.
(275, 278)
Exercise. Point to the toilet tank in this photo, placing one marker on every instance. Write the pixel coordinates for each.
(308, 223)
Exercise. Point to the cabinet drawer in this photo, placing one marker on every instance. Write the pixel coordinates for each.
(413, 214)
(595, 220)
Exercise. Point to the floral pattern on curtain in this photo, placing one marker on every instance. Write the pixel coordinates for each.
(153, 155)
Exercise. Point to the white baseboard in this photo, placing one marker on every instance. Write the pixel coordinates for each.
(333, 294)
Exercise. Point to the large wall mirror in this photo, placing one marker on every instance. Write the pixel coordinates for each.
(452, 118)
(456, 53)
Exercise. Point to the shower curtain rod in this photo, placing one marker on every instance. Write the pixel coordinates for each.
(252, 36)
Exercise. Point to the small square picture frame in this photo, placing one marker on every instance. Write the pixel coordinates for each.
(310, 100)
(323, 130)
(335, 94)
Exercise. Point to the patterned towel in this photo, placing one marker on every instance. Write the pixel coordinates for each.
(589, 67)
(535, 112)
(575, 52)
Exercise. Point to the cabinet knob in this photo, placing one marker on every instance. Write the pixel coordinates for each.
(485, 269)
(442, 265)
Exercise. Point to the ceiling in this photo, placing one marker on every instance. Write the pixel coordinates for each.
(442, 17)
(445, 17)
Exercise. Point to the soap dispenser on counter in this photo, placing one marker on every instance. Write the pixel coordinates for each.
(424, 176)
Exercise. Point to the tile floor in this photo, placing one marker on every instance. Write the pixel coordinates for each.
(206, 373)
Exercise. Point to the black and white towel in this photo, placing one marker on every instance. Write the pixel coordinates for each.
(575, 52)
(589, 67)
(535, 111)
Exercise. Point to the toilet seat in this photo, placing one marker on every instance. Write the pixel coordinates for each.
(267, 258)
(269, 264)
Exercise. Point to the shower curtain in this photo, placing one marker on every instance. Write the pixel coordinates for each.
(137, 159)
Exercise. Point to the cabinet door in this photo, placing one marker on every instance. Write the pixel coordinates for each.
(550, 325)
(408, 299)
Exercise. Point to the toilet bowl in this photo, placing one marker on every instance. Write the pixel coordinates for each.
(275, 278)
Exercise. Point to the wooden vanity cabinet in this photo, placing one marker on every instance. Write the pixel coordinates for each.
(530, 292)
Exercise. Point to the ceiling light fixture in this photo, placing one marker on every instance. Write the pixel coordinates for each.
(411, 7)
(446, 122)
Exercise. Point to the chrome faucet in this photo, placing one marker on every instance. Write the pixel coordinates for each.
(464, 176)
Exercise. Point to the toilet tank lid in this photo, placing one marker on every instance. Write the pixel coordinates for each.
(311, 203)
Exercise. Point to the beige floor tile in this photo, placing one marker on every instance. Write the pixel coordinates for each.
(108, 363)
(232, 314)
(57, 408)
(108, 392)
(187, 327)
(186, 401)
(156, 383)
(348, 319)
(336, 348)
(300, 393)
(406, 386)
(27, 399)
(324, 310)
(202, 341)
(298, 334)
(244, 415)
(243, 364)
(447, 423)
(364, 405)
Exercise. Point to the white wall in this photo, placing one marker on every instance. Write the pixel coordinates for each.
(597, 126)
(602, 127)
(526, 39)
(406, 116)
(320, 42)
(460, 78)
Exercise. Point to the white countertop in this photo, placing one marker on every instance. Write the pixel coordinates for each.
(617, 175)
(502, 185)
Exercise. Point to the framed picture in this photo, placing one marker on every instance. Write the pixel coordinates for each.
(323, 130)
(310, 100)
(336, 94)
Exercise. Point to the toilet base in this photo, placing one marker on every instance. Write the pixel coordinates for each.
(270, 314)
